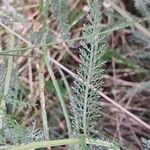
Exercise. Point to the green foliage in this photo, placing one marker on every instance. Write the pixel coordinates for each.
(85, 102)
(61, 13)
(100, 136)
(11, 131)
(12, 97)
(14, 133)
(86, 106)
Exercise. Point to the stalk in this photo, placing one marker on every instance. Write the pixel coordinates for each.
(58, 91)
(7, 82)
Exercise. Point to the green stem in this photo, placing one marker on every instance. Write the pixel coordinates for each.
(7, 81)
(42, 95)
(58, 91)
(53, 143)
(42, 101)
(44, 13)
(89, 77)
(69, 94)
(9, 68)
(43, 144)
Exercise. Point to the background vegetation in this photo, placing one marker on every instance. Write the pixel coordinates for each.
(40, 40)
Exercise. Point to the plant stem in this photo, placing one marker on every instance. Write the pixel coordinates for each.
(58, 91)
(89, 74)
(53, 143)
(42, 96)
(69, 94)
(43, 144)
(44, 13)
(9, 67)
(7, 81)
(42, 101)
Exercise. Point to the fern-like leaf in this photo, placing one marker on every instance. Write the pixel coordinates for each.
(14, 133)
(61, 13)
(85, 103)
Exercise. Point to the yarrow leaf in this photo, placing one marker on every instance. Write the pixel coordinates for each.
(85, 103)
(86, 106)
(60, 11)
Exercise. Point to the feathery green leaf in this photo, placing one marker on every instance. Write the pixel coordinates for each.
(61, 13)
(85, 103)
